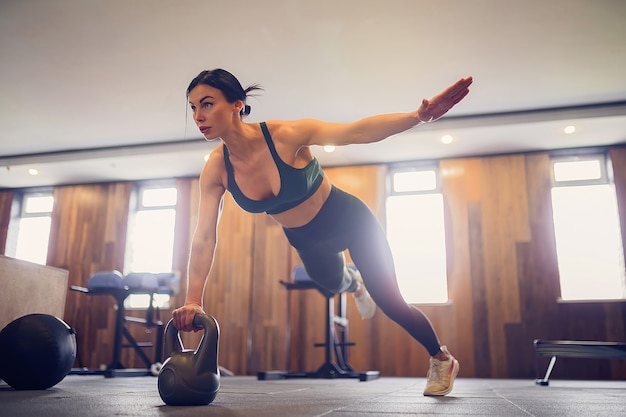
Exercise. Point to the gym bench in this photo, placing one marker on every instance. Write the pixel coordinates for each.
(574, 349)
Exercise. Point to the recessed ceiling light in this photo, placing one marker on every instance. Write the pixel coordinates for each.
(329, 148)
(569, 129)
(447, 139)
(33, 171)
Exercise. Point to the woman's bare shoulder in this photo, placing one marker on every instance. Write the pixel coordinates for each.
(298, 131)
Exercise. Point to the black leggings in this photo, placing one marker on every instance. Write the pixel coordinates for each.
(345, 222)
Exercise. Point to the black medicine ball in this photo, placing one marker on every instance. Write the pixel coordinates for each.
(36, 352)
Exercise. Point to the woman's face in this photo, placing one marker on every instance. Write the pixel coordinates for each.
(212, 113)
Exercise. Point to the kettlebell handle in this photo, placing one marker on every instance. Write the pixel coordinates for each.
(203, 320)
(206, 353)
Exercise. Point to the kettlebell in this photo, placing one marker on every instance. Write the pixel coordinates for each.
(190, 377)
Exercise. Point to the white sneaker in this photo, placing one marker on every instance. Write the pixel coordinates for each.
(364, 302)
(441, 375)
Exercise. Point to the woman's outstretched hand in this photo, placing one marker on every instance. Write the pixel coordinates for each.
(433, 109)
(183, 317)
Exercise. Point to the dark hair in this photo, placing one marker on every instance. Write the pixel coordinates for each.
(227, 84)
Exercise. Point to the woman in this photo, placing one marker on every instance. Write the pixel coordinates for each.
(269, 167)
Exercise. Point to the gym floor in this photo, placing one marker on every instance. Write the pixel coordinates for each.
(94, 396)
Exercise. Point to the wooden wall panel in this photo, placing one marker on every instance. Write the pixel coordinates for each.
(504, 223)
(268, 301)
(461, 187)
(536, 270)
(6, 202)
(478, 284)
(305, 325)
(541, 275)
(88, 234)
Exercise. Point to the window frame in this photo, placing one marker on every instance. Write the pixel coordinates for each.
(605, 172)
(18, 212)
(606, 178)
(417, 166)
(136, 205)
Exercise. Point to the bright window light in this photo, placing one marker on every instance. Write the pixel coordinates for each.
(32, 239)
(588, 242)
(412, 181)
(578, 170)
(418, 246)
(29, 231)
(158, 197)
(143, 301)
(153, 241)
(38, 204)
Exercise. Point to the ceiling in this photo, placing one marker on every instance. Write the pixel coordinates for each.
(95, 90)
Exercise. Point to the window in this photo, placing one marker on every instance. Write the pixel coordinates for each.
(150, 243)
(416, 233)
(587, 229)
(29, 231)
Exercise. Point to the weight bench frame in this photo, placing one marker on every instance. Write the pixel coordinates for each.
(115, 368)
(336, 341)
(574, 349)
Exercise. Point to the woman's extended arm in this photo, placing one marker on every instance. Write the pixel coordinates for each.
(376, 128)
(203, 245)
